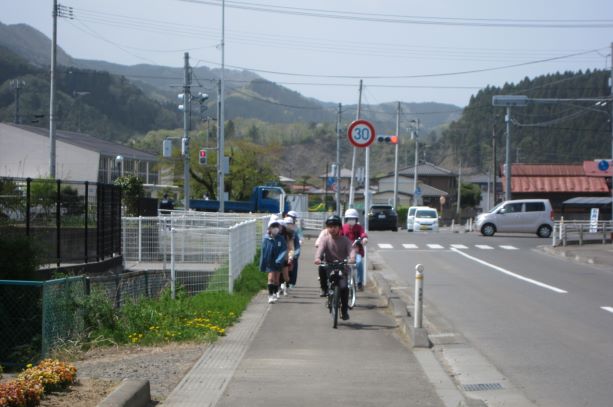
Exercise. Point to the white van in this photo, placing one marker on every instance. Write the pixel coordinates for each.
(521, 215)
(425, 218)
(410, 217)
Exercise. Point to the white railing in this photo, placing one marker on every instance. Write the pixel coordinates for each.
(203, 251)
(565, 231)
(312, 220)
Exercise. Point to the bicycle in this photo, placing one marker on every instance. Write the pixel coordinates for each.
(352, 279)
(334, 271)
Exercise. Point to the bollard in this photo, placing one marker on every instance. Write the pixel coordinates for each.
(419, 295)
(452, 224)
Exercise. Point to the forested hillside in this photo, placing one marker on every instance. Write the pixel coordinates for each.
(554, 132)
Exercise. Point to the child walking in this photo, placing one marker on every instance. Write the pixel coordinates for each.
(273, 257)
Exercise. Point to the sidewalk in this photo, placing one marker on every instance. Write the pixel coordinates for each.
(591, 253)
(288, 354)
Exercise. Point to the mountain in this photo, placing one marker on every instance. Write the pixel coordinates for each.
(247, 94)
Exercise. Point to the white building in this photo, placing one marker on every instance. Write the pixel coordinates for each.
(24, 152)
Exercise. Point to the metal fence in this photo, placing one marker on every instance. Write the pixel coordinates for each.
(36, 314)
(73, 222)
(580, 231)
(201, 250)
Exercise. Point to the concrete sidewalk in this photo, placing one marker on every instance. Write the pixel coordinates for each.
(591, 253)
(288, 354)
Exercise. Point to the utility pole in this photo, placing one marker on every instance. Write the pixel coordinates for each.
(17, 84)
(351, 184)
(507, 170)
(458, 212)
(493, 165)
(220, 114)
(396, 155)
(52, 93)
(611, 166)
(416, 136)
(185, 141)
(338, 161)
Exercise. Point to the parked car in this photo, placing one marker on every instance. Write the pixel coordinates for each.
(382, 217)
(425, 218)
(410, 217)
(520, 215)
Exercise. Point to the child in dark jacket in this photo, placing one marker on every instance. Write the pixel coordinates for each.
(273, 258)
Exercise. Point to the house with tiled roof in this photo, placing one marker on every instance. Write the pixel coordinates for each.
(558, 182)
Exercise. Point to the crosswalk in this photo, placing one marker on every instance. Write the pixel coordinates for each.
(437, 246)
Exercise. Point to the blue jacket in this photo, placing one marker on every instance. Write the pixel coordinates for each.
(274, 253)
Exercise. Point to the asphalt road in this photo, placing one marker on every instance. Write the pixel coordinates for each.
(544, 322)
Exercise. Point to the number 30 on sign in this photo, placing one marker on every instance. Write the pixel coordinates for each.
(361, 133)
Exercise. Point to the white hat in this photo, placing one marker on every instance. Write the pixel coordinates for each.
(273, 220)
(293, 214)
(288, 220)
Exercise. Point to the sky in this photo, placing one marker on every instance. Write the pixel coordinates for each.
(411, 51)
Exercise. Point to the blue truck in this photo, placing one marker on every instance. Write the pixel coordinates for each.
(266, 199)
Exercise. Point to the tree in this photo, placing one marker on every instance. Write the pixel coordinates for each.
(470, 195)
(132, 190)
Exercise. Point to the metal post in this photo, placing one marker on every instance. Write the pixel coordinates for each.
(419, 295)
(185, 140)
(338, 161)
(140, 239)
(172, 263)
(507, 160)
(220, 152)
(52, 94)
(396, 155)
(611, 166)
(351, 184)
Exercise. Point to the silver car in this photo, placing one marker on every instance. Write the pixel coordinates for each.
(521, 215)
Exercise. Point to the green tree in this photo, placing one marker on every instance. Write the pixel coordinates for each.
(470, 195)
(132, 190)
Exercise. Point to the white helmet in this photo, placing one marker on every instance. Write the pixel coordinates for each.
(351, 213)
(288, 220)
(293, 214)
(273, 219)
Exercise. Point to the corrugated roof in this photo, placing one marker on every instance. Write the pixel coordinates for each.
(591, 169)
(426, 168)
(588, 200)
(91, 143)
(557, 184)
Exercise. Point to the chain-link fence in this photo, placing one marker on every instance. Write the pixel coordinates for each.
(36, 314)
(73, 222)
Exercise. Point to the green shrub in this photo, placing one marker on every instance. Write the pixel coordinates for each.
(19, 258)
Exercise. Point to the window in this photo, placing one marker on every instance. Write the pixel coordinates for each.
(512, 208)
(535, 207)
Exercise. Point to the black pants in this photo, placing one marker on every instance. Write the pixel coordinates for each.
(342, 284)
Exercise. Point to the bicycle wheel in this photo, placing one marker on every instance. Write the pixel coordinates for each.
(336, 300)
(352, 285)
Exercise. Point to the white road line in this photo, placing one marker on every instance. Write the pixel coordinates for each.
(385, 246)
(508, 247)
(409, 245)
(459, 246)
(510, 273)
(484, 246)
(434, 246)
(610, 309)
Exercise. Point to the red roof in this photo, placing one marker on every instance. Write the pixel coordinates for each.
(557, 184)
(591, 169)
(546, 170)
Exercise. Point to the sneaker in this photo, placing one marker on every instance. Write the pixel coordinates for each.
(322, 293)
(292, 286)
(271, 299)
(345, 316)
(284, 289)
(360, 287)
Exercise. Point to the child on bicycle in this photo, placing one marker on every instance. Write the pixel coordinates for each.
(336, 247)
(354, 231)
(273, 257)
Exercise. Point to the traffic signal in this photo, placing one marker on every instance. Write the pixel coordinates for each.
(202, 157)
(387, 139)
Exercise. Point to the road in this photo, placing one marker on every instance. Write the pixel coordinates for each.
(544, 322)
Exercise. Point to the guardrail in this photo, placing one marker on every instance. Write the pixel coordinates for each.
(565, 231)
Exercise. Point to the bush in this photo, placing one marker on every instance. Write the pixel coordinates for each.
(19, 258)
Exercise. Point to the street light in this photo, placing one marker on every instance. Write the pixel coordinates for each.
(119, 162)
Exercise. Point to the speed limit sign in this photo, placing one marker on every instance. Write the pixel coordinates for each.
(361, 133)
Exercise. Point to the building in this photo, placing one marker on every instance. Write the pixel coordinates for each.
(24, 152)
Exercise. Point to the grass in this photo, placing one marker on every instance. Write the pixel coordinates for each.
(150, 321)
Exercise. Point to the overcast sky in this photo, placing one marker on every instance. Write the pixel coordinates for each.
(410, 51)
